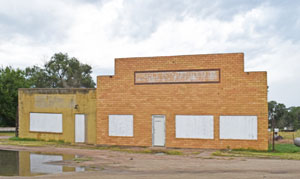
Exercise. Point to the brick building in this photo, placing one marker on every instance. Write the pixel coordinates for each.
(190, 101)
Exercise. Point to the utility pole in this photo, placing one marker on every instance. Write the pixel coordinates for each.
(273, 129)
(17, 122)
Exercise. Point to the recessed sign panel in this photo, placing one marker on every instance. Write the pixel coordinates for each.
(188, 76)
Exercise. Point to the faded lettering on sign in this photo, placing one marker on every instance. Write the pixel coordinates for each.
(192, 76)
(54, 101)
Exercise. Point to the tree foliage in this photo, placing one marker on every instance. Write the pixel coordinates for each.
(294, 116)
(284, 117)
(37, 77)
(10, 80)
(61, 72)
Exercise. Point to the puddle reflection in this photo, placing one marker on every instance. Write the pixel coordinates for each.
(22, 163)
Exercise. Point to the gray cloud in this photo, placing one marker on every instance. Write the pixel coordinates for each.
(139, 19)
(97, 31)
(34, 20)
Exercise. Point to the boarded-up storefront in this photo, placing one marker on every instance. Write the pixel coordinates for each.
(192, 101)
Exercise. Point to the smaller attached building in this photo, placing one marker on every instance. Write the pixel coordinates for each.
(58, 114)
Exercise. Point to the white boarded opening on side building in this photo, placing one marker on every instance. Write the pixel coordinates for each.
(238, 127)
(46, 122)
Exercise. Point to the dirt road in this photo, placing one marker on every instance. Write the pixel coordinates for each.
(123, 165)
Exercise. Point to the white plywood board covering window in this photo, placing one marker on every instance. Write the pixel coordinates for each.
(46, 122)
(194, 126)
(120, 125)
(238, 127)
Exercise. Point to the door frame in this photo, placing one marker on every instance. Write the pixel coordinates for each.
(85, 129)
(164, 122)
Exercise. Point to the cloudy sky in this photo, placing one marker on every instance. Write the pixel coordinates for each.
(97, 31)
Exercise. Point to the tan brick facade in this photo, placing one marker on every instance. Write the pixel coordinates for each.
(237, 93)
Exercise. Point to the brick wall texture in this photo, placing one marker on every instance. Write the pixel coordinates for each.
(238, 93)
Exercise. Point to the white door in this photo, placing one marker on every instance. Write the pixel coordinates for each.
(79, 128)
(158, 130)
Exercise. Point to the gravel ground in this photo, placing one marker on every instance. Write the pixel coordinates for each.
(112, 164)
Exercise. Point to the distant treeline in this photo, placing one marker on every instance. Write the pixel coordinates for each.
(59, 72)
(64, 72)
(284, 117)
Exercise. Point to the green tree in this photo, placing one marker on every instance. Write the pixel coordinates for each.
(10, 80)
(37, 77)
(61, 72)
(295, 115)
(280, 112)
(284, 117)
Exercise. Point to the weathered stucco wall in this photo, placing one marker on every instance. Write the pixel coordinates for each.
(68, 102)
(148, 86)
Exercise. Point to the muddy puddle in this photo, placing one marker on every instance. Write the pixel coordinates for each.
(24, 163)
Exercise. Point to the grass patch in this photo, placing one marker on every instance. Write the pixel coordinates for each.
(282, 151)
(38, 140)
(289, 135)
(7, 133)
(81, 159)
(140, 150)
(23, 139)
(285, 148)
(196, 153)
(173, 152)
(60, 143)
(156, 151)
(32, 142)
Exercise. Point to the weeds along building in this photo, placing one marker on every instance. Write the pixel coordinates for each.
(190, 101)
